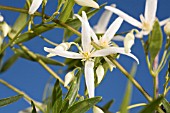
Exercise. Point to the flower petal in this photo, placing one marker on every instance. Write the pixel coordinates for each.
(88, 3)
(150, 10)
(99, 73)
(112, 50)
(111, 31)
(66, 54)
(34, 6)
(63, 47)
(86, 36)
(125, 16)
(103, 22)
(111, 65)
(118, 38)
(89, 77)
(128, 42)
(163, 22)
(97, 110)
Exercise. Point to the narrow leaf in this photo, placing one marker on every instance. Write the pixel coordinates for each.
(9, 100)
(9, 63)
(74, 88)
(33, 107)
(83, 106)
(166, 105)
(37, 30)
(57, 98)
(64, 15)
(108, 105)
(150, 108)
(155, 41)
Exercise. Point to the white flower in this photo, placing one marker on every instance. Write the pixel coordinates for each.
(99, 73)
(147, 20)
(167, 28)
(87, 3)
(63, 47)
(34, 6)
(87, 53)
(68, 78)
(101, 26)
(97, 110)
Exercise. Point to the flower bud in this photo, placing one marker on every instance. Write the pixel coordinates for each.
(63, 47)
(129, 41)
(87, 3)
(99, 73)
(68, 78)
(97, 110)
(167, 28)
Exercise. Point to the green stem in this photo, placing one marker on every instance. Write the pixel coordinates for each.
(42, 64)
(22, 93)
(155, 87)
(138, 86)
(39, 14)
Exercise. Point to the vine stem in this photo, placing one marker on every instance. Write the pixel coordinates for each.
(22, 93)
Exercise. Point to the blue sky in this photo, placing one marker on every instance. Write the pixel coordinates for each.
(31, 78)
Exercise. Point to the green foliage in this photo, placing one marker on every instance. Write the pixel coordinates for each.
(155, 41)
(151, 107)
(9, 63)
(83, 106)
(9, 100)
(37, 30)
(166, 105)
(65, 13)
(46, 60)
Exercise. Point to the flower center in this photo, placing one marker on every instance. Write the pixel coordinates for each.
(86, 55)
(104, 44)
(146, 26)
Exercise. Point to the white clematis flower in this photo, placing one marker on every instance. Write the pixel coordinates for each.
(147, 20)
(34, 6)
(87, 54)
(1, 18)
(87, 3)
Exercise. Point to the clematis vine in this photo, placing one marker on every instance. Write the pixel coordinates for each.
(36, 4)
(87, 53)
(147, 20)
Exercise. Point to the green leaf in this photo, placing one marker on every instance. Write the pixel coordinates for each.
(37, 30)
(74, 88)
(150, 108)
(65, 105)
(83, 106)
(33, 107)
(166, 105)
(108, 105)
(64, 15)
(127, 96)
(9, 63)
(57, 98)
(43, 58)
(155, 41)
(9, 100)
(19, 23)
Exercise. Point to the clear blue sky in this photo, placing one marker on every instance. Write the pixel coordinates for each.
(31, 77)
